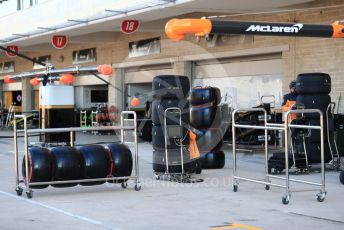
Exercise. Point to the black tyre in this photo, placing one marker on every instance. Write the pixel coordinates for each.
(213, 160)
(158, 139)
(66, 165)
(174, 159)
(95, 163)
(171, 87)
(206, 95)
(313, 101)
(341, 177)
(310, 135)
(122, 161)
(205, 117)
(313, 152)
(313, 83)
(159, 107)
(314, 135)
(144, 129)
(40, 166)
(209, 139)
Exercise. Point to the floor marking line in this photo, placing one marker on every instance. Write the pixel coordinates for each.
(59, 210)
(318, 218)
(235, 226)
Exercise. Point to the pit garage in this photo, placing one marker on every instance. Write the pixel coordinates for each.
(178, 121)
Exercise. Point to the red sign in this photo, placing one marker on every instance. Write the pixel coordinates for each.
(129, 26)
(59, 41)
(13, 48)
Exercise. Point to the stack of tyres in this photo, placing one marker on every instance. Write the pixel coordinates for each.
(171, 91)
(66, 163)
(206, 120)
(313, 93)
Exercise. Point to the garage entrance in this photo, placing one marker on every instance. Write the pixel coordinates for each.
(245, 79)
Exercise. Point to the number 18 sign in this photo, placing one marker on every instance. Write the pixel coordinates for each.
(129, 26)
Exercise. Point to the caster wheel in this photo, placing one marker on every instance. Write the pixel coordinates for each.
(198, 169)
(321, 197)
(157, 177)
(124, 184)
(137, 187)
(341, 177)
(29, 194)
(267, 187)
(285, 200)
(19, 191)
(235, 188)
(275, 171)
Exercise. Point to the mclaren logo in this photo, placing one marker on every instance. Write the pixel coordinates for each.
(276, 29)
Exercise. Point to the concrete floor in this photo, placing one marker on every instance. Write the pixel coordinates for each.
(169, 205)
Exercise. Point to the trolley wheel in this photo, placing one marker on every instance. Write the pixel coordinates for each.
(276, 171)
(285, 199)
(157, 176)
(19, 191)
(267, 187)
(198, 168)
(341, 177)
(235, 188)
(29, 194)
(124, 184)
(137, 187)
(321, 197)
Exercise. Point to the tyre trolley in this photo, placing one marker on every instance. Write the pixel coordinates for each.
(284, 128)
(173, 132)
(25, 181)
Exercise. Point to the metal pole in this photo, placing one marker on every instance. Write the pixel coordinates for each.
(286, 149)
(234, 147)
(136, 157)
(322, 152)
(181, 142)
(15, 145)
(22, 56)
(136, 151)
(71, 139)
(266, 148)
(165, 138)
(26, 153)
(122, 131)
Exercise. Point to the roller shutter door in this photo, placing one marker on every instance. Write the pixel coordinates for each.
(244, 79)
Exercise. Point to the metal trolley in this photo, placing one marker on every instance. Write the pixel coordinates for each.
(284, 128)
(25, 181)
(173, 131)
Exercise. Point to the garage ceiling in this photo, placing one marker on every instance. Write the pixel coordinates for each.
(150, 17)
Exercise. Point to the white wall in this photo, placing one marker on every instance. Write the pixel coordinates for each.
(54, 12)
(83, 96)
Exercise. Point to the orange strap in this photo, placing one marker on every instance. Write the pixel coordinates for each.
(288, 105)
(193, 149)
(338, 30)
